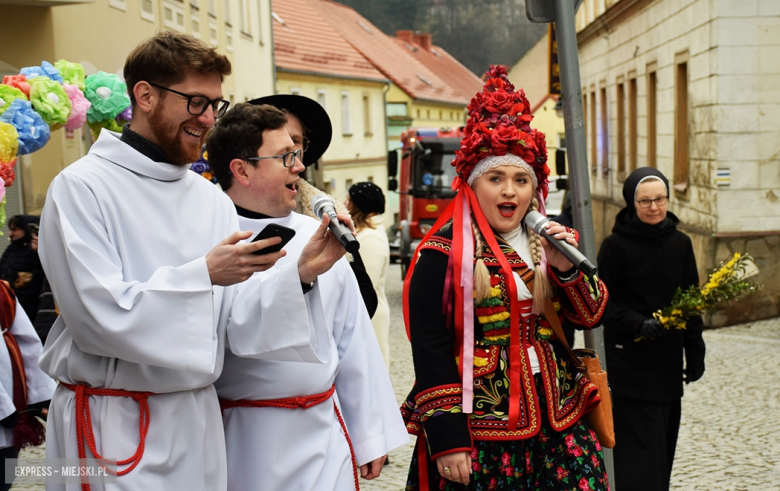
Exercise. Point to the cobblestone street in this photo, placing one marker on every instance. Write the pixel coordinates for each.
(730, 434)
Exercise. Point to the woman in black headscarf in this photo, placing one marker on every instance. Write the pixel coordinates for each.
(643, 263)
(20, 265)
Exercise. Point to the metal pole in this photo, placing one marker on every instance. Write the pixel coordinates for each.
(579, 182)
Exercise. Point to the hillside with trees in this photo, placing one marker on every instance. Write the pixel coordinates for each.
(476, 32)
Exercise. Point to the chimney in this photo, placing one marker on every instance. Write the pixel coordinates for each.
(424, 40)
(404, 36)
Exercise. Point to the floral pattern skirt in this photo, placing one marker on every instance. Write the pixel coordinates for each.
(550, 461)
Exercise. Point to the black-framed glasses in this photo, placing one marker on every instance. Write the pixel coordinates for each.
(288, 158)
(647, 203)
(197, 104)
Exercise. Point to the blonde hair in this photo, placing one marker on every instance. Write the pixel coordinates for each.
(360, 219)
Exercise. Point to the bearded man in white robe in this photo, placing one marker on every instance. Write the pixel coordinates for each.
(148, 269)
(292, 425)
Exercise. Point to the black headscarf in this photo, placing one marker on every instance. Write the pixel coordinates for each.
(627, 220)
(368, 197)
(633, 180)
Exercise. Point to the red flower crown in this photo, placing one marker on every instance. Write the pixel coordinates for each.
(499, 123)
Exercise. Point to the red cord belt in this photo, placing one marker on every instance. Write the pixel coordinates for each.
(303, 402)
(84, 432)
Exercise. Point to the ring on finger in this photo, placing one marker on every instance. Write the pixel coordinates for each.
(446, 469)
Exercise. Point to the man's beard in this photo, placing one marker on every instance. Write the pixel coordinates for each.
(169, 139)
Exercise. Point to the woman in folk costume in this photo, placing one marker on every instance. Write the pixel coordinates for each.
(493, 406)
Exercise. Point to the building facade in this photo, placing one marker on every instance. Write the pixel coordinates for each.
(691, 87)
(313, 60)
(100, 35)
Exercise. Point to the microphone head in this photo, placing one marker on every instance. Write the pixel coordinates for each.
(535, 221)
(318, 204)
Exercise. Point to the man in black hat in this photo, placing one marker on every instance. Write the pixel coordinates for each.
(293, 425)
(311, 131)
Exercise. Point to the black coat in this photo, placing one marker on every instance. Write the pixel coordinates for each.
(19, 257)
(642, 267)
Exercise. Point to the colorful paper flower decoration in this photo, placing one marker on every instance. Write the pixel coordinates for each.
(7, 174)
(33, 130)
(126, 115)
(107, 93)
(7, 95)
(18, 81)
(45, 70)
(9, 143)
(50, 101)
(79, 106)
(72, 73)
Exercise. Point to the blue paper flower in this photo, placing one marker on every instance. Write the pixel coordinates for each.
(33, 130)
(45, 70)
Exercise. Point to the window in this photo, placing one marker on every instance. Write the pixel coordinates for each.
(213, 39)
(195, 20)
(118, 4)
(212, 8)
(651, 114)
(243, 5)
(370, 178)
(173, 16)
(604, 133)
(346, 116)
(594, 156)
(632, 125)
(681, 157)
(322, 98)
(418, 114)
(147, 10)
(348, 184)
(295, 90)
(260, 22)
(227, 13)
(621, 129)
(440, 116)
(367, 115)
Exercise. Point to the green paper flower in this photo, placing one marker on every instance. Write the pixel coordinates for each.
(7, 96)
(108, 95)
(72, 73)
(51, 101)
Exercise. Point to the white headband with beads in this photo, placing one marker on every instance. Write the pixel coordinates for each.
(488, 163)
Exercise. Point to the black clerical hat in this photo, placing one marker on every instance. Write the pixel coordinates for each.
(313, 117)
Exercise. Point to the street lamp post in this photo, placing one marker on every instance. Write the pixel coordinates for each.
(561, 12)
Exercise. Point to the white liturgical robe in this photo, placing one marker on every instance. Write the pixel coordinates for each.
(123, 243)
(279, 449)
(40, 386)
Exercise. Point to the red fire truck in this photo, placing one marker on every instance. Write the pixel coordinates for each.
(425, 183)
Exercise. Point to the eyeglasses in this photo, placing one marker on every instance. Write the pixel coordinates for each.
(197, 104)
(288, 158)
(304, 144)
(647, 203)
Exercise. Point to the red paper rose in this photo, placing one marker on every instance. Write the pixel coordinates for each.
(503, 137)
(18, 81)
(499, 102)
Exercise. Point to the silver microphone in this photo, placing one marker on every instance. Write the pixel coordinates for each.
(536, 221)
(321, 205)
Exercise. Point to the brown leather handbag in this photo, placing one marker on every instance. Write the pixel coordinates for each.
(587, 361)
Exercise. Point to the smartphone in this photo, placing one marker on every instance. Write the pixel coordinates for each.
(33, 228)
(274, 230)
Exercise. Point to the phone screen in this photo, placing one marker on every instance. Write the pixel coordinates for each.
(274, 230)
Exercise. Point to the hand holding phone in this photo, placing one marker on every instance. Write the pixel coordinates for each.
(274, 230)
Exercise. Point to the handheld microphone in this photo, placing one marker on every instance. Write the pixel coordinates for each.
(536, 221)
(321, 205)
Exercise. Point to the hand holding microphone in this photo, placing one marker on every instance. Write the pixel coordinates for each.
(537, 222)
(321, 205)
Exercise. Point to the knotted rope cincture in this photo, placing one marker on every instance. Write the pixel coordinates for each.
(84, 432)
(300, 402)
